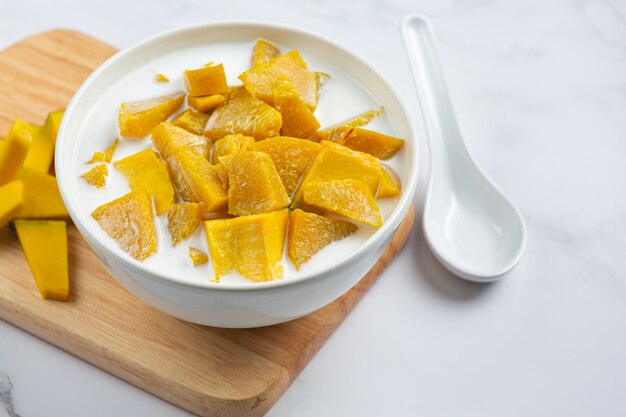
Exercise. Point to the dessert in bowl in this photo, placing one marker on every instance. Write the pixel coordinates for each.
(168, 279)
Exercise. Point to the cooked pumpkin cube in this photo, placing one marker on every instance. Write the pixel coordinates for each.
(41, 198)
(291, 157)
(259, 81)
(252, 245)
(53, 121)
(44, 243)
(298, 119)
(14, 151)
(336, 162)
(231, 144)
(192, 121)
(11, 196)
(308, 233)
(376, 144)
(97, 176)
(263, 52)
(137, 119)
(349, 198)
(197, 256)
(106, 155)
(205, 104)
(339, 131)
(205, 183)
(254, 185)
(41, 150)
(206, 81)
(130, 221)
(390, 185)
(221, 171)
(182, 220)
(242, 113)
(145, 171)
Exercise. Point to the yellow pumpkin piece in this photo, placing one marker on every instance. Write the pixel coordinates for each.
(10, 201)
(339, 131)
(107, 155)
(349, 198)
(191, 121)
(205, 183)
(130, 221)
(41, 150)
(41, 198)
(137, 119)
(320, 79)
(97, 176)
(259, 81)
(197, 256)
(376, 144)
(14, 150)
(206, 81)
(53, 121)
(254, 185)
(231, 144)
(182, 220)
(205, 104)
(291, 157)
(221, 171)
(44, 243)
(167, 136)
(298, 119)
(390, 185)
(252, 245)
(145, 171)
(336, 162)
(242, 113)
(263, 52)
(160, 78)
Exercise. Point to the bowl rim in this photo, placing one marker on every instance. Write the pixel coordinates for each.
(389, 226)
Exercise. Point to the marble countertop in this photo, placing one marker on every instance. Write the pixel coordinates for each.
(540, 91)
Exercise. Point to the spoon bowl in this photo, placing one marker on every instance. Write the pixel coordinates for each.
(474, 230)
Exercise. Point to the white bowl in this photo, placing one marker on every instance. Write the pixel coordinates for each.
(223, 304)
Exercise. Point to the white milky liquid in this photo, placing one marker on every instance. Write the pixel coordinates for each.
(341, 98)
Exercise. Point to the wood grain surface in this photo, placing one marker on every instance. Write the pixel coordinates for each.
(208, 371)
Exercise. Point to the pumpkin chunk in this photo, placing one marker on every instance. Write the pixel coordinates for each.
(221, 171)
(339, 131)
(336, 162)
(41, 198)
(231, 144)
(291, 157)
(197, 256)
(206, 103)
(167, 136)
(106, 155)
(97, 176)
(44, 243)
(252, 245)
(263, 52)
(145, 171)
(259, 81)
(10, 201)
(242, 113)
(41, 150)
(206, 80)
(390, 185)
(130, 221)
(349, 198)
(53, 121)
(191, 121)
(308, 233)
(137, 119)
(182, 220)
(254, 184)
(376, 144)
(14, 150)
(298, 119)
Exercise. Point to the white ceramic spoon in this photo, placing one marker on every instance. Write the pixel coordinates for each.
(470, 225)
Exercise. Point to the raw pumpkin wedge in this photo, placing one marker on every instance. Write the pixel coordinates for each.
(291, 157)
(192, 121)
(44, 243)
(53, 121)
(182, 220)
(145, 171)
(298, 119)
(390, 185)
(137, 119)
(349, 198)
(263, 52)
(41, 152)
(130, 221)
(231, 144)
(308, 233)
(97, 176)
(252, 245)
(376, 144)
(205, 104)
(10, 201)
(41, 196)
(14, 150)
(205, 81)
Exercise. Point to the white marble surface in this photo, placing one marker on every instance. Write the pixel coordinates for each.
(540, 90)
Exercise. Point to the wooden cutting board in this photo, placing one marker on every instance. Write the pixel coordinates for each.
(208, 371)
